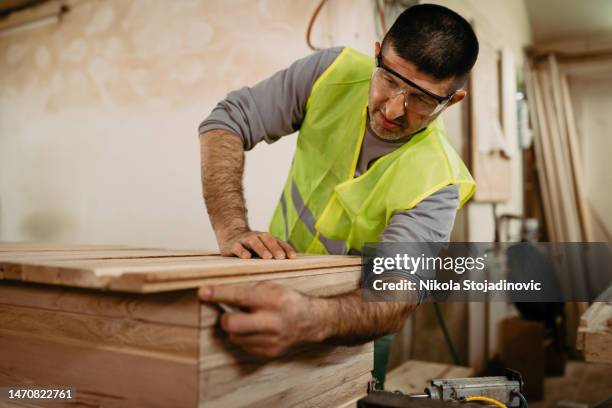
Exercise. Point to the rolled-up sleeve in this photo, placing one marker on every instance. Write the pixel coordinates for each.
(274, 107)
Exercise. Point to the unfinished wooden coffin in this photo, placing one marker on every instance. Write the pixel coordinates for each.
(124, 328)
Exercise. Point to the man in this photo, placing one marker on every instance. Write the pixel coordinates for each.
(372, 164)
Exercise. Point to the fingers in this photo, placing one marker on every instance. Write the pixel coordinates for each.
(252, 340)
(278, 248)
(267, 345)
(269, 328)
(263, 345)
(262, 244)
(241, 324)
(256, 244)
(273, 245)
(291, 254)
(240, 251)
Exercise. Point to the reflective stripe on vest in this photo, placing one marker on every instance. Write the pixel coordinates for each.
(324, 208)
(308, 220)
(331, 245)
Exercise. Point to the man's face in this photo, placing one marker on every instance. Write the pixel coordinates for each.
(391, 115)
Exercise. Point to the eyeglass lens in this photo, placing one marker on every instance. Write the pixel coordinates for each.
(414, 99)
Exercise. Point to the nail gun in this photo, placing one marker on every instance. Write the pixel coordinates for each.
(500, 391)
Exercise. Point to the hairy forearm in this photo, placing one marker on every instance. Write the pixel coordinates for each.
(222, 161)
(348, 319)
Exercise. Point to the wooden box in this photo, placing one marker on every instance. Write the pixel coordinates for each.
(124, 328)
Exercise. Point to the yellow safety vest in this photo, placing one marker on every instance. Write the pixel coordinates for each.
(325, 209)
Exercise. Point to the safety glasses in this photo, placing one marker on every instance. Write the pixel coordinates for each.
(416, 98)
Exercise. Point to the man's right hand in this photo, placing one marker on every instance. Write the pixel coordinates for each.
(262, 244)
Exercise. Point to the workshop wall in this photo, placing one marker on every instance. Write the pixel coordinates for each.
(98, 114)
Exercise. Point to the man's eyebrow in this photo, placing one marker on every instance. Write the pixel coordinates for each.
(388, 74)
(394, 78)
(398, 81)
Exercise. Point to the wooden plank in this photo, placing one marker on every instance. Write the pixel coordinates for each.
(42, 256)
(576, 161)
(351, 274)
(594, 334)
(11, 263)
(286, 381)
(132, 274)
(598, 347)
(562, 142)
(560, 155)
(543, 177)
(174, 343)
(559, 167)
(115, 349)
(180, 308)
(598, 317)
(101, 377)
(543, 145)
(343, 396)
(228, 265)
(46, 246)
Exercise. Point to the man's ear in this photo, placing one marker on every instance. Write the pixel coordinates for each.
(376, 49)
(457, 97)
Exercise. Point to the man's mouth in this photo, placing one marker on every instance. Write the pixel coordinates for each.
(386, 123)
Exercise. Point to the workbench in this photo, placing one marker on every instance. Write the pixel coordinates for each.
(124, 328)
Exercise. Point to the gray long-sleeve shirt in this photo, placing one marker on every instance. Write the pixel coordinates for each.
(275, 107)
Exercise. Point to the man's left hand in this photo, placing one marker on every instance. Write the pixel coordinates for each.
(273, 317)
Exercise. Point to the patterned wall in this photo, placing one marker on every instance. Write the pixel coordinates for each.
(98, 114)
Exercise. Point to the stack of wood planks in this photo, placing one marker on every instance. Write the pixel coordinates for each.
(595, 330)
(124, 327)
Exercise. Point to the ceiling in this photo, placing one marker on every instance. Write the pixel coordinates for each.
(553, 20)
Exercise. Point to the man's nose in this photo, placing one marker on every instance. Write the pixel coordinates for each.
(395, 107)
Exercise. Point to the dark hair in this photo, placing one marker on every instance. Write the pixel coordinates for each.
(437, 40)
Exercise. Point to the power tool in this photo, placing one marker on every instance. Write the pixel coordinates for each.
(500, 391)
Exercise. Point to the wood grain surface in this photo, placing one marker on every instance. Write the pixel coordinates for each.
(124, 327)
(115, 350)
(146, 270)
(594, 335)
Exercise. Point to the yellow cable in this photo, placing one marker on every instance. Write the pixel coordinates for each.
(486, 399)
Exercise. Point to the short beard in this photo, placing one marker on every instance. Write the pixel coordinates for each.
(387, 136)
(390, 136)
